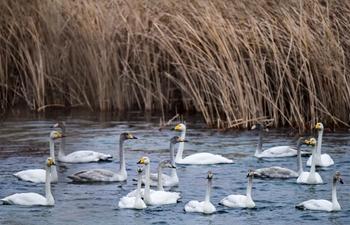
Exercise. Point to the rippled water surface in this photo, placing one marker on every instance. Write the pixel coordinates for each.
(24, 145)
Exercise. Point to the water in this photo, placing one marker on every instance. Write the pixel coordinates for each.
(97, 203)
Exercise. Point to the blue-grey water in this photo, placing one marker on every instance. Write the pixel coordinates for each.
(97, 203)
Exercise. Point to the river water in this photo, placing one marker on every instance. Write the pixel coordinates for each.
(24, 145)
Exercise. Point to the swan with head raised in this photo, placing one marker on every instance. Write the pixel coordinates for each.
(102, 174)
(198, 158)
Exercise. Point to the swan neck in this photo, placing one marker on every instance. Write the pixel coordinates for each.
(299, 161)
(147, 194)
(334, 194)
(249, 188)
(313, 161)
(319, 144)
(172, 159)
(48, 195)
(160, 178)
(139, 181)
(260, 142)
(61, 153)
(52, 149)
(181, 146)
(121, 156)
(207, 195)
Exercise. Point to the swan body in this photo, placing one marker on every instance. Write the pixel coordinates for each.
(322, 204)
(156, 197)
(204, 206)
(39, 175)
(241, 201)
(84, 156)
(198, 158)
(280, 172)
(31, 198)
(323, 160)
(102, 175)
(134, 202)
(274, 152)
(311, 177)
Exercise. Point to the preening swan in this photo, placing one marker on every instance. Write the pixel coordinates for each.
(39, 175)
(321, 159)
(203, 206)
(156, 197)
(198, 158)
(106, 175)
(78, 156)
(31, 198)
(172, 180)
(280, 172)
(311, 177)
(274, 152)
(134, 202)
(241, 201)
(322, 204)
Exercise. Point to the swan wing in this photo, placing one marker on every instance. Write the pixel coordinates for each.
(313, 204)
(279, 151)
(194, 206)
(238, 201)
(303, 177)
(204, 158)
(85, 156)
(164, 197)
(326, 160)
(275, 172)
(33, 175)
(133, 193)
(96, 175)
(25, 199)
(167, 180)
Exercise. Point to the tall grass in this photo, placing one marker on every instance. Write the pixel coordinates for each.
(233, 62)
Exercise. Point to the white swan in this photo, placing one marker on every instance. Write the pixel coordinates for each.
(321, 159)
(311, 177)
(322, 204)
(172, 180)
(38, 175)
(31, 198)
(134, 202)
(198, 158)
(280, 172)
(241, 201)
(156, 197)
(274, 152)
(78, 156)
(106, 175)
(203, 206)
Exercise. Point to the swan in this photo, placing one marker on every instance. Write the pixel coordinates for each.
(78, 156)
(31, 198)
(280, 172)
(322, 204)
(106, 175)
(172, 180)
(156, 197)
(241, 201)
(38, 175)
(203, 206)
(198, 158)
(321, 159)
(134, 202)
(311, 177)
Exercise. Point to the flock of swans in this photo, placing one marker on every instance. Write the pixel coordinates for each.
(143, 197)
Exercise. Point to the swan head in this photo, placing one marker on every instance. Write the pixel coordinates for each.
(144, 160)
(303, 141)
(312, 142)
(209, 175)
(139, 169)
(61, 124)
(177, 139)
(319, 126)
(180, 127)
(258, 126)
(250, 173)
(337, 176)
(49, 162)
(165, 164)
(55, 135)
(126, 136)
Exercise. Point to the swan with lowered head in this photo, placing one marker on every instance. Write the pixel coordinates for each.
(31, 198)
(78, 156)
(172, 180)
(204, 206)
(103, 175)
(280, 172)
(274, 152)
(322, 204)
(39, 175)
(134, 202)
(323, 160)
(156, 197)
(198, 158)
(311, 177)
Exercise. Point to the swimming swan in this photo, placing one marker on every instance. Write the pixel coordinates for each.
(203, 206)
(311, 177)
(78, 156)
(31, 198)
(322, 204)
(280, 172)
(134, 202)
(241, 201)
(172, 180)
(106, 175)
(38, 175)
(198, 158)
(156, 197)
(274, 152)
(321, 159)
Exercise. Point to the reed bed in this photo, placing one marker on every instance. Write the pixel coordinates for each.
(232, 61)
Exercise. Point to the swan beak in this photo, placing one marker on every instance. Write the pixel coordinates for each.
(311, 142)
(171, 166)
(131, 137)
(56, 125)
(142, 161)
(52, 162)
(177, 127)
(306, 142)
(253, 127)
(59, 135)
(341, 181)
(317, 126)
(182, 140)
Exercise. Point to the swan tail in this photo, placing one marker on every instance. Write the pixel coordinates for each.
(106, 157)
